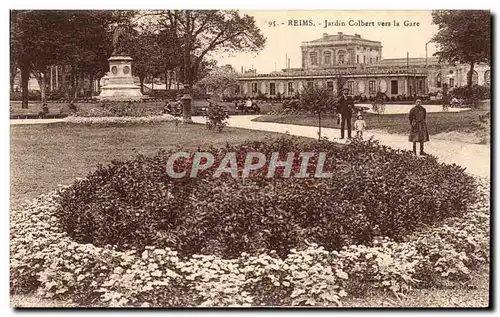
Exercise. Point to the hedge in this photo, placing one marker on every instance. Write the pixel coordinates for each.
(43, 258)
(374, 190)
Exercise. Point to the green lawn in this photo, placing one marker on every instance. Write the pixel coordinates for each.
(466, 121)
(45, 155)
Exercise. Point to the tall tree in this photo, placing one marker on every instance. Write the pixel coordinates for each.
(463, 37)
(318, 100)
(220, 79)
(198, 33)
(41, 38)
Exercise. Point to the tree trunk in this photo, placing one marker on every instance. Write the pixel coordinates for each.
(91, 85)
(469, 75)
(13, 73)
(63, 81)
(319, 124)
(73, 82)
(41, 78)
(141, 80)
(25, 77)
(170, 81)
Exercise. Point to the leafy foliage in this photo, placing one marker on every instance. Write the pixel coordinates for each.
(220, 80)
(374, 190)
(43, 258)
(216, 117)
(117, 109)
(472, 95)
(463, 37)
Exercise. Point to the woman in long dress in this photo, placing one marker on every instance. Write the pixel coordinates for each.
(418, 132)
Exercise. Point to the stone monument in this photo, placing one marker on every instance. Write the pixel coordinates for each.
(120, 84)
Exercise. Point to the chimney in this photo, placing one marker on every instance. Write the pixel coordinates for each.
(325, 34)
(341, 35)
(357, 35)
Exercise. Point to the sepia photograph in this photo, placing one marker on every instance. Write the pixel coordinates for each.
(250, 158)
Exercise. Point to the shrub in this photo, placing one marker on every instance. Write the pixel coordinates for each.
(165, 94)
(117, 109)
(216, 117)
(472, 95)
(33, 95)
(372, 191)
(44, 259)
(55, 95)
(119, 120)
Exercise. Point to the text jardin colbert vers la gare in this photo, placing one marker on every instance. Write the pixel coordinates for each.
(337, 23)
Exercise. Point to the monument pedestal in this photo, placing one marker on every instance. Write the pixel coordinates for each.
(120, 85)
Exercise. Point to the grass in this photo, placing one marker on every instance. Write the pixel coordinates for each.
(45, 155)
(465, 121)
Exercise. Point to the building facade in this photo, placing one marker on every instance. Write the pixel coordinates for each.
(359, 62)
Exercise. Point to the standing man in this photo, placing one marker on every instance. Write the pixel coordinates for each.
(344, 108)
(418, 132)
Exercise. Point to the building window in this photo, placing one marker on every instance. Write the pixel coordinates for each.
(371, 60)
(272, 89)
(290, 88)
(475, 77)
(310, 84)
(421, 85)
(357, 59)
(350, 86)
(364, 59)
(254, 88)
(394, 87)
(376, 59)
(327, 58)
(314, 58)
(341, 58)
(438, 80)
(371, 87)
(487, 78)
(452, 82)
(329, 84)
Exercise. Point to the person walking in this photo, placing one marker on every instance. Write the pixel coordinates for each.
(359, 126)
(418, 127)
(344, 108)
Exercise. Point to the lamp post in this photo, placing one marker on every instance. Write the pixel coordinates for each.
(186, 105)
(426, 52)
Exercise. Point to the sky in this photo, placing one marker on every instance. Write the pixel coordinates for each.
(284, 40)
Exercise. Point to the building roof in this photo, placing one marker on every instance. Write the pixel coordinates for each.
(341, 37)
(411, 61)
(335, 72)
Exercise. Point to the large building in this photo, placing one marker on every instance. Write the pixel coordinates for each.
(360, 63)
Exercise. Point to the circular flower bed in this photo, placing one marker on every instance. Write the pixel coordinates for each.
(45, 259)
(373, 191)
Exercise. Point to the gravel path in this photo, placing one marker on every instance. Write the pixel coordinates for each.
(474, 157)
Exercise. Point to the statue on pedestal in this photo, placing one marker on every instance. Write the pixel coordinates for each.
(119, 45)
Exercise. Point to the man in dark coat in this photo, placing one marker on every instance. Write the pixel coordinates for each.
(345, 108)
(418, 132)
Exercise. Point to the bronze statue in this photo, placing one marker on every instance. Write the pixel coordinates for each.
(119, 47)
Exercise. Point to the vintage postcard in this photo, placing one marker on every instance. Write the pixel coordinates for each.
(232, 158)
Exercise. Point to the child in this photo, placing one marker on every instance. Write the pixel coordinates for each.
(360, 126)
